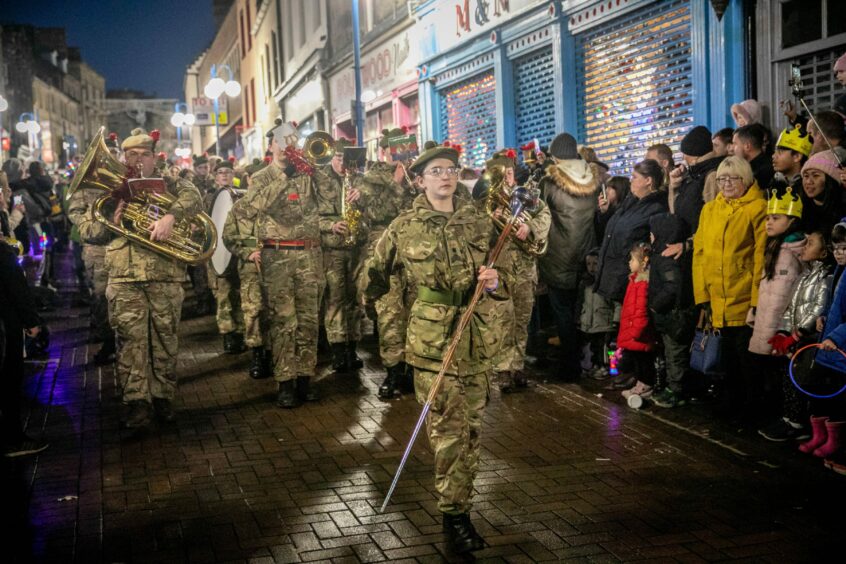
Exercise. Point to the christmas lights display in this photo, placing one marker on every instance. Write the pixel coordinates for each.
(468, 110)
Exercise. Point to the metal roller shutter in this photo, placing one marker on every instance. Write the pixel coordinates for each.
(534, 94)
(819, 86)
(468, 117)
(635, 86)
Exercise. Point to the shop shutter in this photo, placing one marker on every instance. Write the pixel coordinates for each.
(635, 86)
(468, 117)
(819, 86)
(534, 94)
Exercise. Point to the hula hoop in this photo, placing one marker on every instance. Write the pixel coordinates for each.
(793, 379)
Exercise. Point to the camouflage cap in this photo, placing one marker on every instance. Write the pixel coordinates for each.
(255, 166)
(199, 160)
(341, 144)
(224, 164)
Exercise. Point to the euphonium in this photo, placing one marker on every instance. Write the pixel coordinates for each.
(499, 199)
(317, 148)
(192, 240)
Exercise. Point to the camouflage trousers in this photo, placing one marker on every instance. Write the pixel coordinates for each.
(293, 282)
(392, 321)
(145, 316)
(523, 298)
(343, 314)
(97, 277)
(252, 305)
(454, 425)
(227, 294)
(199, 275)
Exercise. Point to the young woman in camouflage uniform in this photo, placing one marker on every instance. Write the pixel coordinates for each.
(441, 243)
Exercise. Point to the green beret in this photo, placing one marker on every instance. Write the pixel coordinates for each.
(224, 164)
(437, 152)
(255, 166)
(503, 159)
(341, 144)
(388, 134)
(200, 160)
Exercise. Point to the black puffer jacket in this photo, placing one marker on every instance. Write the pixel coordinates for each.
(629, 225)
(689, 197)
(670, 279)
(571, 199)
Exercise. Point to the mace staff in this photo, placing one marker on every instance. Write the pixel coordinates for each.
(519, 198)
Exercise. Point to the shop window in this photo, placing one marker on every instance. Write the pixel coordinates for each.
(803, 21)
(468, 117)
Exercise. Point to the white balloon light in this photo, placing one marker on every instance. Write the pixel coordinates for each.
(33, 126)
(4, 105)
(190, 119)
(232, 89)
(214, 88)
(21, 127)
(177, 119)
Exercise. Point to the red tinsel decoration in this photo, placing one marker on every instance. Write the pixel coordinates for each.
(528, 146)
(295, 157)
(511, 154)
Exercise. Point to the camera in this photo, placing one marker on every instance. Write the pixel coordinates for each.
(795, 81)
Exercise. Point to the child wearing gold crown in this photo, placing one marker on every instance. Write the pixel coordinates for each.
(782, 269)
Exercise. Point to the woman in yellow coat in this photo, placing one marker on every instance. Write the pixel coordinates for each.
(728, 256)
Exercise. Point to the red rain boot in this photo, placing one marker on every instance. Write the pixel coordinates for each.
(832, 443)
(818, 435)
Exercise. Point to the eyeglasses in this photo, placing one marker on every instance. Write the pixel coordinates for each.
(722, 180)
(439, 171)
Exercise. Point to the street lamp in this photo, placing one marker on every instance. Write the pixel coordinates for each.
(214, 89)
(180, 119)
(4, 105)
(28, 123)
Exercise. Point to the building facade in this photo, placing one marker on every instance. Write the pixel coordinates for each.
(127, 109)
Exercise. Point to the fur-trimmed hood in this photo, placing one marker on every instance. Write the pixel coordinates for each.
(574, 176)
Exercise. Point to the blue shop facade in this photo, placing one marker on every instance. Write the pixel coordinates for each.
(619, 75)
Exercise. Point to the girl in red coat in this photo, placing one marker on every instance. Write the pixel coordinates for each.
(636, 337)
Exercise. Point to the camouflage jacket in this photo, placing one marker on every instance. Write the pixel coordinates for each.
(516, 264)
(130, 262)
(444, 252)
(329, 187)
(382, 198)
(207, 188)
(91, 231)
(280, 207)
(239, 231)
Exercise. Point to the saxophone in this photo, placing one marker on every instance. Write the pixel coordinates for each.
(349, 214)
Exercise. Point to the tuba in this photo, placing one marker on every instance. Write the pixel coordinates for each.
(318, 148)
(499, 198)
(192, 240)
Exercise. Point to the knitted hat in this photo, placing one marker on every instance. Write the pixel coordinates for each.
(388, 134)
(564, 147)
(840, 64)
(824, 161)
(697, 142)
(749, 109)
(506, 158)
(140, 139)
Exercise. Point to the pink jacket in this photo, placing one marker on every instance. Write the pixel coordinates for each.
(774, 296)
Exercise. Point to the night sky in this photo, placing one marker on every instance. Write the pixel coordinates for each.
(144, 45)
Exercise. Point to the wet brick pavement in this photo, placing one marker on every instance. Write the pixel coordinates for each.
(566, 475)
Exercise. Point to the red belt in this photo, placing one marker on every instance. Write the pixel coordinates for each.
(290, 244)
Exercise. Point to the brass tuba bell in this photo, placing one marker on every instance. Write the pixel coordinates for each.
(499, 198)
(318, 148)
(192, 240)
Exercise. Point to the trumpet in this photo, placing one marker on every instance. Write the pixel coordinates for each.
(498, 207)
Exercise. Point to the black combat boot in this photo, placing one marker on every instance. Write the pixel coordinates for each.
(339, 357)
(138, 416)
(389, 385)
(353, 362)
(107, 352)
(164, 409)
(520, 379)
(405, 379)
(461, 536)
(304, 391)
(287, 396)
(258, 366)
(233, 343)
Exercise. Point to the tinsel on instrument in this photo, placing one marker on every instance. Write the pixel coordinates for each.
(295, 157)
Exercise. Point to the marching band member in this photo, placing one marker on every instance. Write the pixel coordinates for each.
(284, 204)
(442, 243)
(145, 297)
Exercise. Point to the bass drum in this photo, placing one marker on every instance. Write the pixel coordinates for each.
(221, 205)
